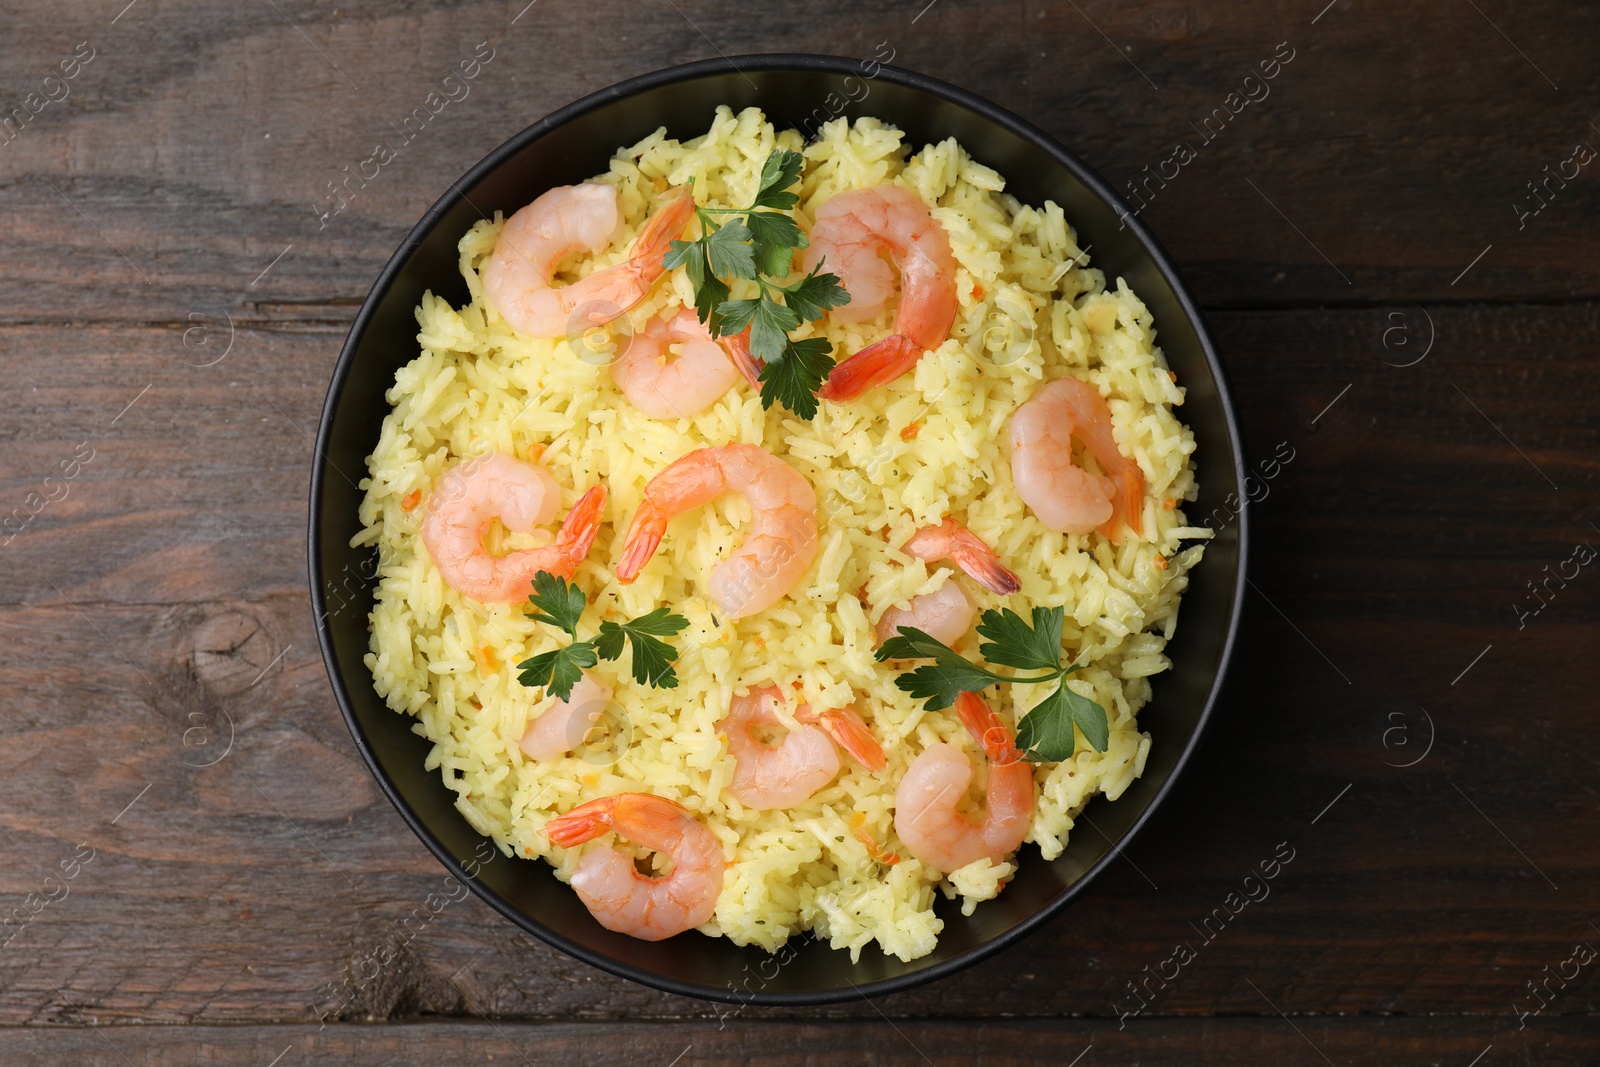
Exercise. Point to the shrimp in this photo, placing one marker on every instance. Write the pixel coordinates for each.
(613, 890)
(783, 538)
(737, 346)
(470, 495)
(1062, 495)
(775, 777)
(516, 279)
(783, 776)
(850, 232)
(689, 384)
(565, 725)
(849, 732)
(952, 541)
(926, 816)
(944, 614)
(947, 613)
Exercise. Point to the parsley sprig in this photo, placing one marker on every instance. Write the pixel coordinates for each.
(1044, 734)
(757, 244)
(561, 604)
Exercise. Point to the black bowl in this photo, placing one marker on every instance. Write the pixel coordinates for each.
(577, 141)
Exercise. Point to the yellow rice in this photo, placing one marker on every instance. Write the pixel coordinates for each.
(1030, 309)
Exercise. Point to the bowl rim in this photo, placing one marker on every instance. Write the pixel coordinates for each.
(770, 61)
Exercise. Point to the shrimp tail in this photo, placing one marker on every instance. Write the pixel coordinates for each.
(873, 366)
(987, 729)
(981, 564)
(738, 349)
(853, 735)
(648, 527)
(578, 531)
(1126, 490)
(659, 233)
(583, 823)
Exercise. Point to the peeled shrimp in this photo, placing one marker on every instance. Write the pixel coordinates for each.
(522, 496)
(516, 279)
(563, 726)
(945, 614)
(926, 813)
(851, 231)
(952, 541)
(785, 775)
(689, 384)
(613, 890)
(783, 538)
(1061, 494)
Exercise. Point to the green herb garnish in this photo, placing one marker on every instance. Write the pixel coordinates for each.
(1045, 734)
(759, 247)
(652, 657)
(561, 604)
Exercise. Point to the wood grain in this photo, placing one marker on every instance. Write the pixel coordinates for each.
(1247, 1042)
(196, 145)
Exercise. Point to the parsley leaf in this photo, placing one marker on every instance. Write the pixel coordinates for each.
(793, 381)
(912, 643)
(652, 657)
(709, 290)
(769, 331)
(707, 299)
(1044, 734)
(728, 251)
(939, 682)
(736, 315)
(559, 670)
(813, 295)
(781, 170)
(1013, 643)
(757, 243)
(688, 255)
(776, 236)
(561, 604)
(1091, 719)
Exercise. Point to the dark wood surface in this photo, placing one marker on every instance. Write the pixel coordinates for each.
(170, 308)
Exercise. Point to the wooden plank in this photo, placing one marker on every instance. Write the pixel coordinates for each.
(132, 201)
(1163, 1043)
(170, 482)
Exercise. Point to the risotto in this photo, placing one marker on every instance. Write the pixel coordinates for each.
(901, 457)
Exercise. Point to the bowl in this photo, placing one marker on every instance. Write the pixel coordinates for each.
(575, 142)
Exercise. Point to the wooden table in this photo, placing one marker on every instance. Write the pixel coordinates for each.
(195, 863)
